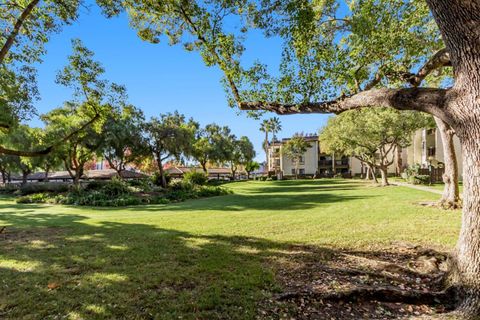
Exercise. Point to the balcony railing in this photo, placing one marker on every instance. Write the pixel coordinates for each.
(329, 163)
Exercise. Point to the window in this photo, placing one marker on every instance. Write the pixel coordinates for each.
(293, 171)
(431, 152)
(301, 160)
(301, 171)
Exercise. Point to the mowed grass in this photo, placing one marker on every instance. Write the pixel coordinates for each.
(201, 259)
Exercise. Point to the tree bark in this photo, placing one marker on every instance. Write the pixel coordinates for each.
(466, 267)
(372, 172)
(384, 173)
(16, 29)
(24, 177)
(161, 172)
(204, 166)
(451, 192)
(399, 161)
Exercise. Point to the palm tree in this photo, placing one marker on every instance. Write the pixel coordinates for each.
(275, 127)
(266, 127)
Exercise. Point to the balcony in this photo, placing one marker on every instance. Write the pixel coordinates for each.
(329, 163)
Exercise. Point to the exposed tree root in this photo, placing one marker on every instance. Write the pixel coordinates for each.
(381, 293)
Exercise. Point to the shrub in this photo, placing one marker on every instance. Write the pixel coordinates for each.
(41, 187)
(35, 198)
(9, 188)
(157, 179)
(145, 185)
(419, 179)
(212, 191)
(95, 185)
(198, 178)
(115, 187)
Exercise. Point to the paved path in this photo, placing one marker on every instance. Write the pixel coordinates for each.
(414, 186)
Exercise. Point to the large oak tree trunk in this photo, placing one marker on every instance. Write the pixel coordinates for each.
(459, 23)
(451, 192)
(466, 272)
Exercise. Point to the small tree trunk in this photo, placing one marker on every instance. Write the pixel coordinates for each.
(384, 173)
(451, 192)
(24, 177)
(4, 177)
(399, 161)
(267, 165)
(204, 166)
(47, 169)
(372, 172)
(162, 173)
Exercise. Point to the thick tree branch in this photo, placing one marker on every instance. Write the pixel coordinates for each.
(16, 29)
(49, 149)
(428, 100)
(438, 60)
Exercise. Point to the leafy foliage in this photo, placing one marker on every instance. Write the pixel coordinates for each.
(295, 148)
(195, 178)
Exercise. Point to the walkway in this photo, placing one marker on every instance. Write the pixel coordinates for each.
(418, 187)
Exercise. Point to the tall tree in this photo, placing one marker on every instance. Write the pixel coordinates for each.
(275, 127)
(251, 166)
(170, 136)
(242, 153)
(266, 127)
(347, 60)
(123, 140)
(295, 149)
(372, 135)
(26, 28)
(28, 137)
(93, 101)
(211, 145)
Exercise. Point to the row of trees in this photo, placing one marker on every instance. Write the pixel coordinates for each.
(119, 133)
(335, 58)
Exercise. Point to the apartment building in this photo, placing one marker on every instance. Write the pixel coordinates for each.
(426, 150)
(313, 162)
(316, 162)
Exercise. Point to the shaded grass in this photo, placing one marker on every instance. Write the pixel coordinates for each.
(198, 259)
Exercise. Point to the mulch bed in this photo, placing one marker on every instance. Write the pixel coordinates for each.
(399, 282)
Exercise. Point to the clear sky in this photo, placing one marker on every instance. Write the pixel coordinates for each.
(161, 78)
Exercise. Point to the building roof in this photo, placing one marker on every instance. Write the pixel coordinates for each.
(90, 174)
(312, 137)
(179, 170)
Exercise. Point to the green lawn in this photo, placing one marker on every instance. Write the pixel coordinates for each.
(210, 258)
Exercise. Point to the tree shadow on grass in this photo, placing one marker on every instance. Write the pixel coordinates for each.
(58, 265)
(283, 196)
(116, 270)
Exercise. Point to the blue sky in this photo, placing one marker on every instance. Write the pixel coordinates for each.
(161, 78)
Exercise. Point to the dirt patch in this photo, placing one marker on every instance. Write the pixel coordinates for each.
(399, 282)
(12, 235)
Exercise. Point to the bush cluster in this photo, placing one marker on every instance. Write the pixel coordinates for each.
(412, 175)
(117, 193)
(197, 178)
(43, 187)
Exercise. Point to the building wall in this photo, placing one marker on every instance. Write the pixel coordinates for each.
(416, 153)
(309, 165)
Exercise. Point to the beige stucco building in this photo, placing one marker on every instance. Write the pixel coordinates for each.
(314, 161)
(427, 149)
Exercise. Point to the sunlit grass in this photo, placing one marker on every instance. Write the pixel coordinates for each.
(208, 258)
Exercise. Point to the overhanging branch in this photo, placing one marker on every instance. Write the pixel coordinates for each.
(420, 99)
(47, 150)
